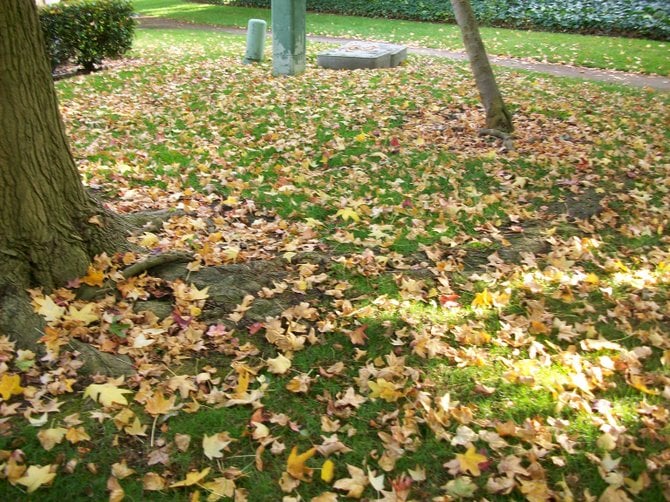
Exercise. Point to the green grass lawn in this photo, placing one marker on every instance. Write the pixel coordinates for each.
(626, 54)
(460, 321)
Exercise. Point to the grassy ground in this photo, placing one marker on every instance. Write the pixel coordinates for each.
(482, 323)
(635, 55)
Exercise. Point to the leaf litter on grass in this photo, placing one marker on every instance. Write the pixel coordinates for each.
(444, 320)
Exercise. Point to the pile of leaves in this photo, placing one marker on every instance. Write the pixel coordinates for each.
(438, 318)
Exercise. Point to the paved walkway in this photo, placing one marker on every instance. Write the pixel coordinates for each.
(617, 77)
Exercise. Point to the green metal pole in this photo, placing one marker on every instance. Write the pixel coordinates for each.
(288, 37)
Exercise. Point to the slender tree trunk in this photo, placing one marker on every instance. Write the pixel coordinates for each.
(50, 228)
(497, 116)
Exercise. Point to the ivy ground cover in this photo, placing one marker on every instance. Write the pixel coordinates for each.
(379, 305)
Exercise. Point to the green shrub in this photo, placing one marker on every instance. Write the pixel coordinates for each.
(641, 18)
(87, 30)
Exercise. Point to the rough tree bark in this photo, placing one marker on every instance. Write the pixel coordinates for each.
(497, 115)
(50, 228)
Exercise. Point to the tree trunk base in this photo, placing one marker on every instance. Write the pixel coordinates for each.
(23, 326)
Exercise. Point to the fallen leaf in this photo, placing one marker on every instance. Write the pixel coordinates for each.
(279, 365)
(106, 394)
(153, 482)
(192, 478)
(10, 385)
(470, 460)
(51, 437)
(296, 464)
(213, 445)
(354, 485)
(36, 476)
(384, 390)
(328, 471)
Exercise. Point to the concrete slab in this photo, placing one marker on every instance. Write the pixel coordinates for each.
(359, 55)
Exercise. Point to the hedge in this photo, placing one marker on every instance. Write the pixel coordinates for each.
(639, 18)
(87, 30)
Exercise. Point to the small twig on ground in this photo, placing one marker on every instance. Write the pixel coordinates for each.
(507, 139)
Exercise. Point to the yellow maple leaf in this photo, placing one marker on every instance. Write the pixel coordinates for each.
(470, 460)
(36, 476)
(77, 434)
(48, 309)
(93, 277)
(106, 394)
(296, 464)
(192, 478)
(384, 390)
(10, 385)
(328, 471)
(361, 137)
(346, 213)
(483, 299)
(86, 315)
(159, 404)
(51, 437)
(136, 428)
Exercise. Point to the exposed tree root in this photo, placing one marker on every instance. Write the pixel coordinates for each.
(151, 221)
(507, 139)
(22, 325)
(155, 261)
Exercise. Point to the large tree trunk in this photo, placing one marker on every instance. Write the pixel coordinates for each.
(497, 116)
(48, 232)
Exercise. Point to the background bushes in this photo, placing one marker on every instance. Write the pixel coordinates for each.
(641, 18)
(87, 30)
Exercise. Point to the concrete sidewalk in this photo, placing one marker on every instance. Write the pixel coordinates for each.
(655, 82)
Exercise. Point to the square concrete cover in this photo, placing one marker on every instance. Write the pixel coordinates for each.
(356, 55)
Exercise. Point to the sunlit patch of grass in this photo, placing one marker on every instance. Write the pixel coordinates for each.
(601, 52)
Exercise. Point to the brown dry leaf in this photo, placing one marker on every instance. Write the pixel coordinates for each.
(116, 493)
(354, 485)
(120, 470)
(358, 336)
(152, 481)
(182, 441)
(51, 437)
(299, 384)
(325, 497)
(288, 483)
